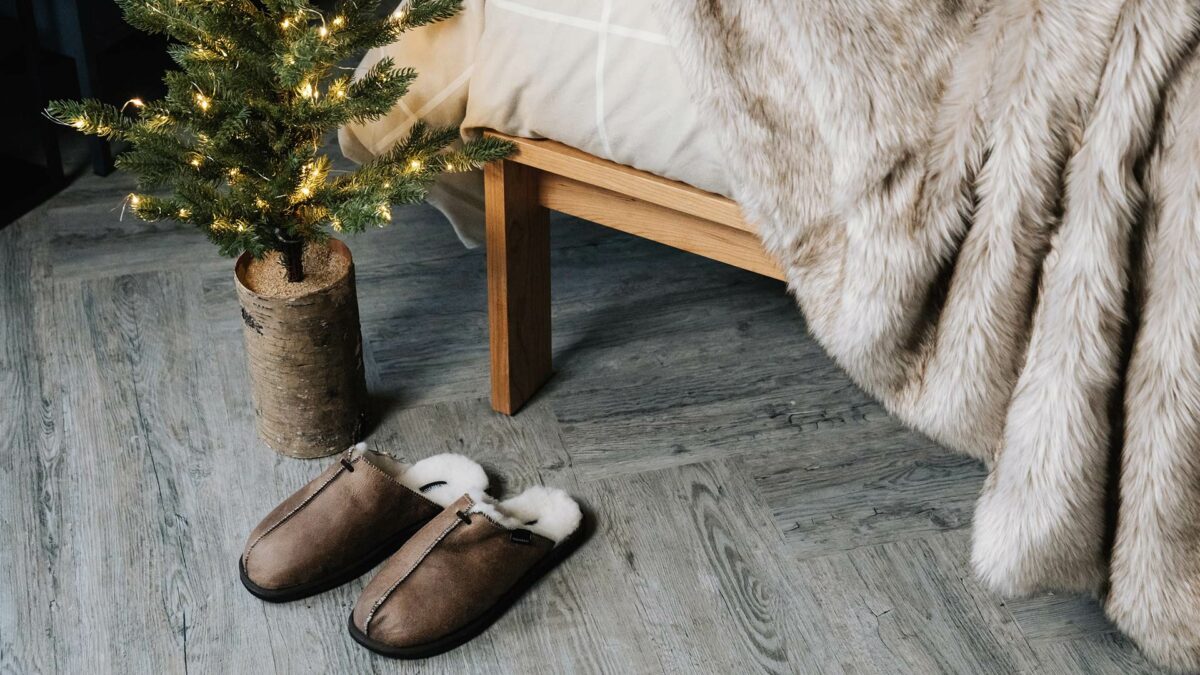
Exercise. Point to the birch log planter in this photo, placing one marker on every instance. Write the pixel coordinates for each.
(305, 363)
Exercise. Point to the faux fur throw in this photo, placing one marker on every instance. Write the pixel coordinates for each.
(989, 211)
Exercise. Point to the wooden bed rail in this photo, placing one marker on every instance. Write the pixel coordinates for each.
(544, 175)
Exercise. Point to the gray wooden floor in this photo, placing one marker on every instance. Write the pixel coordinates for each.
(757, 512)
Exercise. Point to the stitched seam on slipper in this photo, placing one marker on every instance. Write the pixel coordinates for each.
(489, 519)
(289, 514)
(411, 568)
(392, 480)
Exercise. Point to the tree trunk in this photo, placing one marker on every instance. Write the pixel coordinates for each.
(305, 364)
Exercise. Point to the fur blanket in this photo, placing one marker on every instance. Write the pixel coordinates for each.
(989, 211)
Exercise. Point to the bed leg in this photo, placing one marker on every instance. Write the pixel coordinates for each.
(518, 271)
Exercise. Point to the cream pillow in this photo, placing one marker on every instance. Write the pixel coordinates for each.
(599, 75)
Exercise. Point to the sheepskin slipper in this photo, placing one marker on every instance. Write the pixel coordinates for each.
(461, 572)
(348, 519)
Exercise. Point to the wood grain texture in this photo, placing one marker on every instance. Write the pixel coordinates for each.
(690, 413)
(1053, 617)
(734, 246)
(96, 346)
(701, 561)
(563, 160)
(30, 478)
(908, 606)
(1096, 654)
(842, 487)
(518, 260)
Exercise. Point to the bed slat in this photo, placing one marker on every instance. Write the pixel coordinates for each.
(657, 223)
(563, 160)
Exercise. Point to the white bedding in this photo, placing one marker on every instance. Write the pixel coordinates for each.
(598, 75)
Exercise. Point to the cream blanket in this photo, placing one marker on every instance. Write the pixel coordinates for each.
(989, 211)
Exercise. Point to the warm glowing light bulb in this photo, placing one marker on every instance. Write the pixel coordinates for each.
(286, 23)
(339, 21)
(195, 162)
(79, 124)
(203, 102)
(307, 90)
(305, 191)
(184, 213)
(415, 165)
(322, 31)
(134, 200)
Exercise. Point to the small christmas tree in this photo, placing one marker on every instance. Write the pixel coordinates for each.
(234, 146)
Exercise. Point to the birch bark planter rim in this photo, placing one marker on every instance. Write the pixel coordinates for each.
(304, 358)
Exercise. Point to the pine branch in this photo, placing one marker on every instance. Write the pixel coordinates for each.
(91, 117)
(422, 12)
(475, 154)
(234, 145)
(374, 94)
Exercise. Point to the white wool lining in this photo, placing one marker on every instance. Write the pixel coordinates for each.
(445, 477)
(549, 512)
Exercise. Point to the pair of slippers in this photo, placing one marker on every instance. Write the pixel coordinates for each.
(454, 558)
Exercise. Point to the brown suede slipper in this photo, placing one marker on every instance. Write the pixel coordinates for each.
(463, 570)
(348, 519)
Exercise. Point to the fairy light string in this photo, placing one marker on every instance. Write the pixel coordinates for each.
(235, 145)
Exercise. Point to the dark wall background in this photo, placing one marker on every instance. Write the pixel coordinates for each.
(49, 15)
(83, 48)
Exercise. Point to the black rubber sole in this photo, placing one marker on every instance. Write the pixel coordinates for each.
(315, 587)
(484, 621)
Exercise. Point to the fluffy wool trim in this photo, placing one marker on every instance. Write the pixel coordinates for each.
(441, 479)
(547, 511)
(987, 212)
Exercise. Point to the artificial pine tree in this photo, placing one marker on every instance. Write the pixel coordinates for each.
(234, 146)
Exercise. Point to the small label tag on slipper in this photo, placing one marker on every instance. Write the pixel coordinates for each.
(522, 536)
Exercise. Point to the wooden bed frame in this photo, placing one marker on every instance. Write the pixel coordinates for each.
(543, 176)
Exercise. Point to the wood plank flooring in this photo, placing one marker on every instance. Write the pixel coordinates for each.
(756, 511)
